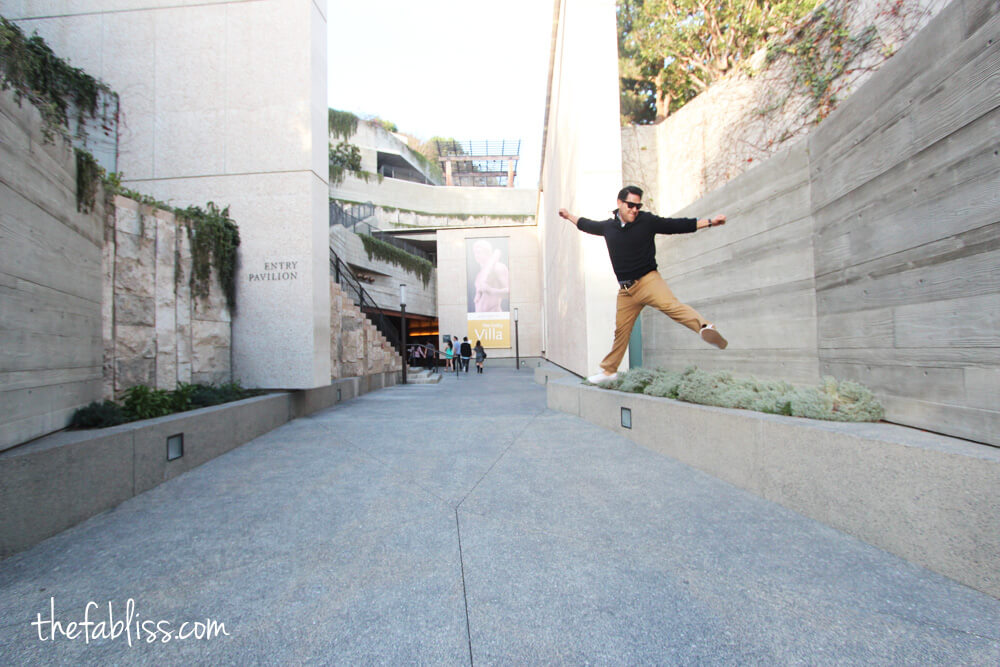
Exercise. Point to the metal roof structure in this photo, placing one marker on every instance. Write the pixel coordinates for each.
(479, 163)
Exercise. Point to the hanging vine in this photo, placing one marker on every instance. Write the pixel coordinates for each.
(214, 240)
(30, 67)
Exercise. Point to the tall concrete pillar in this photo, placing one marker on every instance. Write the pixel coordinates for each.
(225, 102)
(581, 171)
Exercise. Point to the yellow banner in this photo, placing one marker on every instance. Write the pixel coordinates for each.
(492, 333)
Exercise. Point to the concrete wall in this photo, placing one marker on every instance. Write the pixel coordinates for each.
(438, 200)
(58, 481)
(757, 112)
(50, 282)
(754, 277)
(372, 139)
(420, 299)
(894, 233)
(156, 332)
(581, 171)
(226, 102)
(525, 286)
(930, 499)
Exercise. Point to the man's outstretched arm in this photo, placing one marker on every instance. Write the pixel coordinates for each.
(583, 224)
(563, 213)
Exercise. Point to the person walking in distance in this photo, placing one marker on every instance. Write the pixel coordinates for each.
(480, 356)
(466, 351)
(630, 235)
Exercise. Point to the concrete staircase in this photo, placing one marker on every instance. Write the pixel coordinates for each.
(357, 346)
(422, 376)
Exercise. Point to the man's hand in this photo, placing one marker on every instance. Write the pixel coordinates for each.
(712, 222)
(563, 213)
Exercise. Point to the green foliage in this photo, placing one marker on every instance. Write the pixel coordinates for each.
(451, 216)
(390, 253)
(635, 380)
(34, 71)
(141, 402)
(88, 177)
(99, 414)
(821, 50)
(672, 50)
(342, 124)
(214, 241)
(214, 236)
(344, 157)
(832, 401)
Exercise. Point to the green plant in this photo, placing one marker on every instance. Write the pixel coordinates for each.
(820, 50)
(34, 71)
(99, 414)
(832, 400)
(342, 124)
(214, 241)
(88, 177)
(141, 402)
(344, 157)
(386, 251)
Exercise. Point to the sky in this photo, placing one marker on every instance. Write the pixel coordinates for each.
(470, 69)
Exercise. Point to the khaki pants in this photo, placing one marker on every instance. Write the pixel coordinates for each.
(650, 290)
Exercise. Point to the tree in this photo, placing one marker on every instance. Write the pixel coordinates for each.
(672, 50)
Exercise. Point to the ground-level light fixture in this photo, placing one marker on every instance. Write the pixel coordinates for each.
(626, 417)
(175, 446)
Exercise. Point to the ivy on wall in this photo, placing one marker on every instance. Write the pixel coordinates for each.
(452, 216)
(342, 124)
(30, 68)
(377, 248)
(214, 238)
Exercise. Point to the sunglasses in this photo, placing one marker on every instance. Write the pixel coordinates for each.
(633, 205)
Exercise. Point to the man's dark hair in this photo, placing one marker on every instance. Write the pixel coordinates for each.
(629, 190)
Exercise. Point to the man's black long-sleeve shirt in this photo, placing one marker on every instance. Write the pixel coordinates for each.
(631, 245)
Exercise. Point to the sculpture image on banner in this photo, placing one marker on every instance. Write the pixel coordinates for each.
(488, 291)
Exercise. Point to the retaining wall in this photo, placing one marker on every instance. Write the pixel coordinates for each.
(50, 281)
(930, 499)
(868, 251)
(60, 480)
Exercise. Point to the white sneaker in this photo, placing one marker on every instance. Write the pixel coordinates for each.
(601, 378)
(713, 337)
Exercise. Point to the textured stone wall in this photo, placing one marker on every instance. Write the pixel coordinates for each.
(156, 332)
(357, 348)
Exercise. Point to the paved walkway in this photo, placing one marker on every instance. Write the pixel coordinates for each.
(463, 522)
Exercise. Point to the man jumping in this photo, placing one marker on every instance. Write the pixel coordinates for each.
(629, 235)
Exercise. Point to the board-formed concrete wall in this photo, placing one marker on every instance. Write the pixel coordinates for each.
(887, 217)
(225, 101)
(50, 281)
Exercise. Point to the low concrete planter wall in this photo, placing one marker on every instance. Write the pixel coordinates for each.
(58, 481)
(930, 499)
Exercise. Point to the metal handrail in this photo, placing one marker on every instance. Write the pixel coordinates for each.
(438, 355)
(346, 278)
